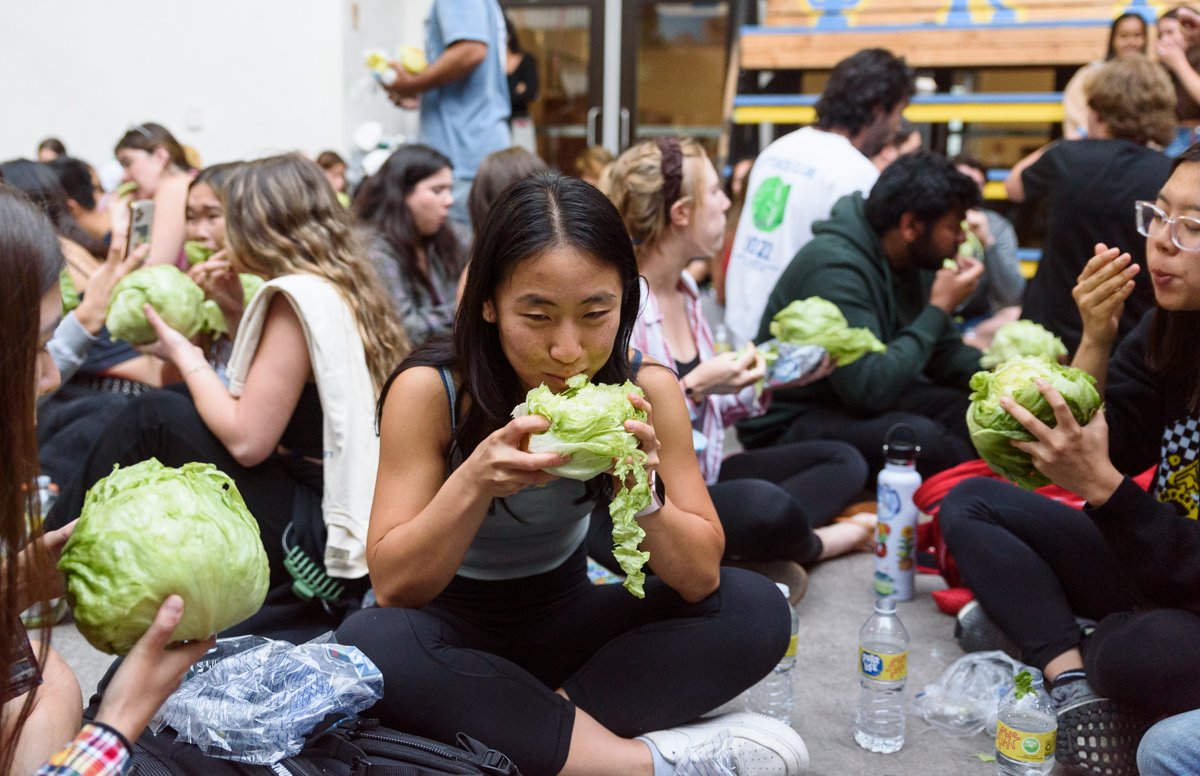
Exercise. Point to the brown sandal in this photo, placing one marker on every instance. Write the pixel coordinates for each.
(870, 526)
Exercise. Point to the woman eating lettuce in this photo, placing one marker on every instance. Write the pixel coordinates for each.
(1130, 560)
(488, 624)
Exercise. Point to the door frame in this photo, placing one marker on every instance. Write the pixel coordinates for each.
(593, 126)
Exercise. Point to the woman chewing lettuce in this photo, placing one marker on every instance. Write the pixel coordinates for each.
(1130, 560)
(41, 699)
(487, 623)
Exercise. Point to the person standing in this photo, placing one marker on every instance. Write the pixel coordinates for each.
(464, 106)
(522, 69)
(798, 178)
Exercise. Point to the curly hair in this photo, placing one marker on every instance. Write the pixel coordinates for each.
(923, 183)
(860, 83)
(1134, 97)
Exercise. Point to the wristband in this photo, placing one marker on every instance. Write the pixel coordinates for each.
(193, 369)
(655, 502)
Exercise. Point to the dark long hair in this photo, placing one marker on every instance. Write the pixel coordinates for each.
(148, 136)
(1112, 32)
(1172, 352)
(30, 260)
(380, 204)
(38, 182)
(532, 216)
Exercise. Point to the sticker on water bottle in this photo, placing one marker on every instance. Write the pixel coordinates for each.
(882, 666)
(1025, 747)
(791, 650)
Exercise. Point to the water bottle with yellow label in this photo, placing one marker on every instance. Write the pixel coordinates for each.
(773, 696)
(883, 670)
(1026, 728)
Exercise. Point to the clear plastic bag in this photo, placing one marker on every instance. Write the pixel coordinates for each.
(252, 699)
(964, 700)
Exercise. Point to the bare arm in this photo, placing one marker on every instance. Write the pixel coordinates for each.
(250, 426)
(1014, 185)
(422, 522)
(170, 204)
(458, 61)
(684, 538)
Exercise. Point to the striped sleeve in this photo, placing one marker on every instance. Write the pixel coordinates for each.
(98, 750)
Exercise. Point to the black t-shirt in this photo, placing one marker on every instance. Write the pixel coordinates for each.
(526, 73)
(1091, 186)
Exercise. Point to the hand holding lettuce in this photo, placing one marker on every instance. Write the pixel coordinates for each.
(1022, 338)
(587, 422)
(176, 298)
(148, 531)
(815, 321)
(993, 429)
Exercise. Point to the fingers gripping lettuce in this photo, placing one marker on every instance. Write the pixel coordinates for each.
(815, 321)
(149, 531)
(1022, 338)
(993, 429)
(587, 422)
(172, 294)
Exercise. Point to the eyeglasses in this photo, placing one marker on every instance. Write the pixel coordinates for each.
(1185, 232)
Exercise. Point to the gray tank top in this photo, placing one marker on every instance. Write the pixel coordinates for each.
(531, 532)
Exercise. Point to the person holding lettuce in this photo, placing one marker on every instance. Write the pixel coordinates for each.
(879, 260)
(41, 713)
(1130, 560)
(294, 427)
(774, 504)
(487, 623)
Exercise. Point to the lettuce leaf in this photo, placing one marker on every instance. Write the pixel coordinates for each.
(587, 422)
(815, 321)
(1022, 338)
(174, 295)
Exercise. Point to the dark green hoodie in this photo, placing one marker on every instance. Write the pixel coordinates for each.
(844, 263)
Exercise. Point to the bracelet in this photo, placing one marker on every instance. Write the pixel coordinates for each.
(193, 369)
(655, 502)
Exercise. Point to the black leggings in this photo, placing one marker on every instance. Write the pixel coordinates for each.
(769, 501)
(1034, 564)
(164, 424)
(485, 658)
(936, 413)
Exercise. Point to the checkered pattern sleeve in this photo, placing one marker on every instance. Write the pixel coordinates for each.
(98, 750)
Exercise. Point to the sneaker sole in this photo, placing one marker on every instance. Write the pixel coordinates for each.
(1099, 736)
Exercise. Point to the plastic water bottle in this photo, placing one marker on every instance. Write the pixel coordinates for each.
(773, 695)
(1026, 728)
(721, 339)
(883, 670)
(896, 549)
(52, 612)
(47, 494)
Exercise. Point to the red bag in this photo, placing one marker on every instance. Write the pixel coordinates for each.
(928, 499)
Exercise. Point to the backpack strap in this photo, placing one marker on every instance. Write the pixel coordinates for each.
(636, 363)
(451, 394)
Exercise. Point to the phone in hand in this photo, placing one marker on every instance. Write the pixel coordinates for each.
(141, 219)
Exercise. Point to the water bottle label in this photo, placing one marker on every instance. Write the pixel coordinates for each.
(791, 650)
(1025, 747)
(882, 666)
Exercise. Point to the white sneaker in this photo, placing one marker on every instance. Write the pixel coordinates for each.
(761, 746)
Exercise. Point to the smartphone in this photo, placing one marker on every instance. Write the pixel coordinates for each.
(140, 220)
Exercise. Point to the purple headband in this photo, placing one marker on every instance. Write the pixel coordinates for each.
(672, 170)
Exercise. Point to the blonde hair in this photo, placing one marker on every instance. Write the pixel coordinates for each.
(593, 161)
(1134, 97)
(282, 218)
(636, 188)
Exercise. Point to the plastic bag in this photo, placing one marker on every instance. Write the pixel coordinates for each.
(964, 700)
(253, 700)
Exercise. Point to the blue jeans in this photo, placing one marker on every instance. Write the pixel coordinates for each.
(1172, 747)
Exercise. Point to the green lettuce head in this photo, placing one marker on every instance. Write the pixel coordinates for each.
(993, 429)
(70, 295)
(587, 422)
(815, 321)
(149, 531)
(196, 253)
(174, 295)
(1022, 338)
(214, 319)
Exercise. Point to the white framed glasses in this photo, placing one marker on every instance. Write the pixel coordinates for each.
(1185, 231)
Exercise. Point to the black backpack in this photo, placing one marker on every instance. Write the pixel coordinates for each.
(339, 746)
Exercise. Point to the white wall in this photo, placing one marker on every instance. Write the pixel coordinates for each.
(251, 77)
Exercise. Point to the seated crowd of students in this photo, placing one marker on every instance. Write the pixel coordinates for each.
(361, 403)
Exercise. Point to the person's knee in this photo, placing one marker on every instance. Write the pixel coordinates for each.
(1171, 747)
(1134, 658)
(757, 621)
(56, 716)
(853, 465)
(967, 502)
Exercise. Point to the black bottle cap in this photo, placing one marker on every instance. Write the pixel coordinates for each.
(900, 444)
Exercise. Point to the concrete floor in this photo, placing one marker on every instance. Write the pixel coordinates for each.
(838, 602)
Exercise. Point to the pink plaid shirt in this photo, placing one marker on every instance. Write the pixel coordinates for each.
(711, 416)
